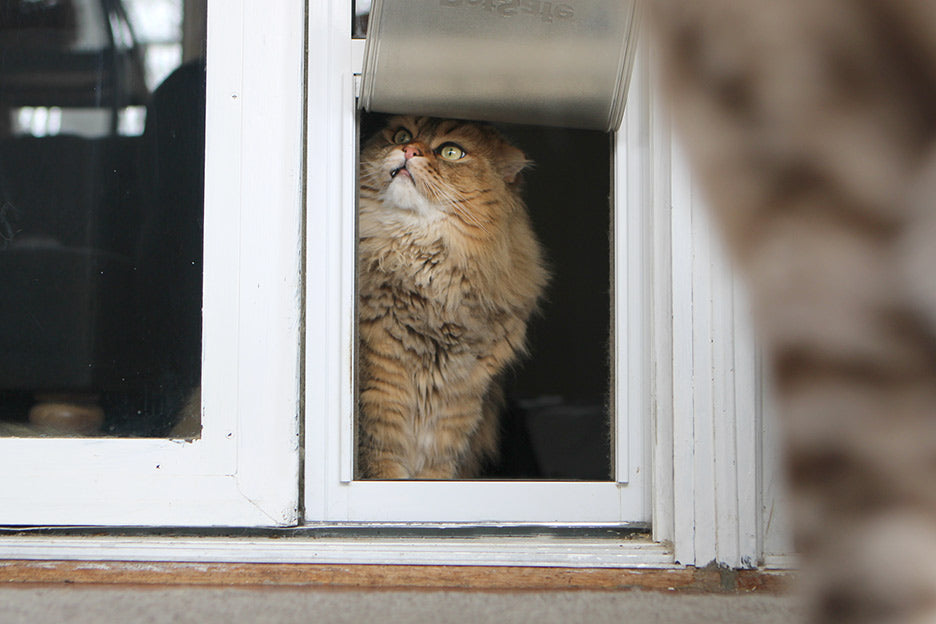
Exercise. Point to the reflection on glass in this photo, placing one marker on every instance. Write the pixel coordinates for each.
(102, 111)
(360, 14)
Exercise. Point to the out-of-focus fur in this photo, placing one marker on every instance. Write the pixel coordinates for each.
(812, 125)
(449, 271)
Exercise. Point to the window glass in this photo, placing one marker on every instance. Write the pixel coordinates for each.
(102, 113)
(561, 392)
(359, 17)
(556, 418)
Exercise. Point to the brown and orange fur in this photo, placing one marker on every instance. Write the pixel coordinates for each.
(449, 271)
(812, 124)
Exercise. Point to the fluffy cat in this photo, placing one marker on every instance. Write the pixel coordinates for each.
(812, 124)
(449, 271)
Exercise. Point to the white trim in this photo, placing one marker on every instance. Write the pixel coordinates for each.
(505, 551)
(484, 501)
(715, 393)
(330, 493)
(330, 238)
(661, 332)
(781, 562)
(724, 389)
(706, 383)
(748, 413)
(244, 469)
(631, 287)
(776, 536)
(260, 367)
(684, 487)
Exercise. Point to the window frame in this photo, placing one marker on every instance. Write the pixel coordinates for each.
(244, 469)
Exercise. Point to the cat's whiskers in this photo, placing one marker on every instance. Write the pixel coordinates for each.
(454, 201)
(370, 177)
(470, 219)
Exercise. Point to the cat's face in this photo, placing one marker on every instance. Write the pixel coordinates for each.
(439, 168)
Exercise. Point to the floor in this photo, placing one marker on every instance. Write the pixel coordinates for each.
(42, 604)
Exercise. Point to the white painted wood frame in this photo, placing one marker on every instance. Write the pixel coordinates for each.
(715, 498)
(542, 551)
(331, 494)
(244, 470)
(686, 367)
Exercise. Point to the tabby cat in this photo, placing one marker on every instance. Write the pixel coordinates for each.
(812, 124)
(449, 271)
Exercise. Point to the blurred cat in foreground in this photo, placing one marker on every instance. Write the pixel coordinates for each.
(812, 126)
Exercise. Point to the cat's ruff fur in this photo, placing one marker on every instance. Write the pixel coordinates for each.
(449, 271)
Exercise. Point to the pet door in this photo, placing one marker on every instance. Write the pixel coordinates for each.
(553, 78)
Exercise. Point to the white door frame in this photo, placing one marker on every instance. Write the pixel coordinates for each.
(710, 497)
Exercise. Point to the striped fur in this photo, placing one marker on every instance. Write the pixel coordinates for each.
(812, 124)
(449, 271)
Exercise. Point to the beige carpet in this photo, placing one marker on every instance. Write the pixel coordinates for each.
(143, 605)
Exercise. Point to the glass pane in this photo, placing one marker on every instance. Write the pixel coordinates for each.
(555, 420)
(360, 14)
(102, 117)
(560, 394)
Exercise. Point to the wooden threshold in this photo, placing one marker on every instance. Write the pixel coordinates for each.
(426, 577)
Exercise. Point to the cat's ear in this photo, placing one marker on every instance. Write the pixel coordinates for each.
(510, 162)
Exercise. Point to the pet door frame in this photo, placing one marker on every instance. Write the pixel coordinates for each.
(244, 469)
(331, 493)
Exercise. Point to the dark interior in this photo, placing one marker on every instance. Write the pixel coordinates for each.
(101, 232)
(101, 271)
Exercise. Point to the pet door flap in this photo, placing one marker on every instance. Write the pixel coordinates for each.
(522, 61)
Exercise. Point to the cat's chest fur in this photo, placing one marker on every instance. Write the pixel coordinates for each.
(423, 288)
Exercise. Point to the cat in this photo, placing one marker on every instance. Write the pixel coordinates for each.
(449, 272)
(812, 127)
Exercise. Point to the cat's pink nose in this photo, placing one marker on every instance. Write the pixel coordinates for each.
(411, 150)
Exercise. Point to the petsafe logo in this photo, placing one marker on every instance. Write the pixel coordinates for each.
(546, 11)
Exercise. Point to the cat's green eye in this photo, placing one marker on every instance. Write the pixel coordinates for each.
(402, 136)
(450, 151)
